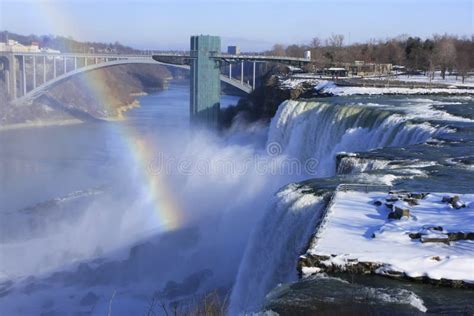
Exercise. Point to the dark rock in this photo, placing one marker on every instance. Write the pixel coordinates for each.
(457, 203)
(438, 239)
(454, 201)
(398, 213)
(433, 234)
(411, 201)
(389, 206)
(461, 236)
(418, 196)
(357, 267)
(446, 199)
(415, 235)
(378, 203)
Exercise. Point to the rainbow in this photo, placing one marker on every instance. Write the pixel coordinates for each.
(166, 210)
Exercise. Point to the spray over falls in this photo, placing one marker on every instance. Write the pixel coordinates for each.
(259, 234)
(318, 130)
(313, 129)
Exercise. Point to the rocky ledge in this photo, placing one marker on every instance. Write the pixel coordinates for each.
(416, 236)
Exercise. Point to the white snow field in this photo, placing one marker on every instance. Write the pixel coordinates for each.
(448, 80)
(356, 230)
(329, 87)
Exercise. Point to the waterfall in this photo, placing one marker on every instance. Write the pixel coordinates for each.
(354, 164)
(275, 245)
(318, 130)
(310, 130)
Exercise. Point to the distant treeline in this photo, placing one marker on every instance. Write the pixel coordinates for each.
(67, 44)
(445, 53)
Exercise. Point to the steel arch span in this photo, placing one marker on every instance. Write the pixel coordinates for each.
(41, 89)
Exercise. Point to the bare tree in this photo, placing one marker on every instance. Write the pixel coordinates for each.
(315, 43)
(445, 53)
(278, 50)
(464, 57)
(334, 51)
(335, 40)
(295, 51)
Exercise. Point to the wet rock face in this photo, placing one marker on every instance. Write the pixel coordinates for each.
(454, 201)
(275, 94)
(323, 263)
(353, 266)
(335, 296)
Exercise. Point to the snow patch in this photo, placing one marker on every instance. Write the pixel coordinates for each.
(356, 229)
(328, 87)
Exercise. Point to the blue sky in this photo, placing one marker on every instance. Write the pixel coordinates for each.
(254, 25)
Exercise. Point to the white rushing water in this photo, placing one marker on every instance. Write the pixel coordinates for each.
(274, 247)
(87, 203)
(309, 130)
(321, 130)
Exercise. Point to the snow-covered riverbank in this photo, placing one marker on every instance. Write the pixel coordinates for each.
(330, 88)
(346, 86)
(432, 241)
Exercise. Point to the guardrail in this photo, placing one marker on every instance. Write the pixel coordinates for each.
(362, 187)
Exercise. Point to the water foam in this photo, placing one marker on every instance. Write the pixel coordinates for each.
(320, 130)
(274, 247)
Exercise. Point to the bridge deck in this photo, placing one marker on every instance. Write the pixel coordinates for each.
(235, 58)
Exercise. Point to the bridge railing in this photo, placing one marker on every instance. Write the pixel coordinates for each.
(73, 61)
(78, 55)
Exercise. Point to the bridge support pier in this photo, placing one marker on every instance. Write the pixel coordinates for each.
(34, 72)
(44, 69)
(7, 81)
(10, 75)
(205, 80)
(242, 72)
(23, 75)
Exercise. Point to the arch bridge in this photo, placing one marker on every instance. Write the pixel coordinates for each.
(29, 75)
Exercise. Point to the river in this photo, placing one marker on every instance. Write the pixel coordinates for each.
(129, 206)
(117, 215)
